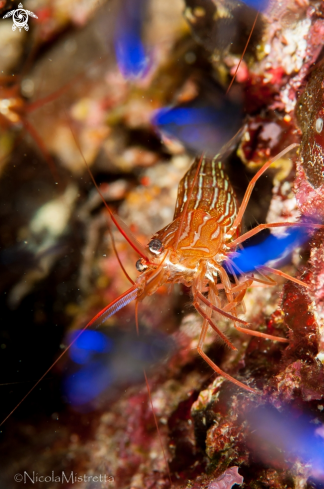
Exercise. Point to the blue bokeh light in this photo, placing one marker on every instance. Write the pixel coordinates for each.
(260, 5)
(105, 362)
(200, 126)
(293, 434)
(88, 343)
(132, 58)
(272, 248)
(87, 383)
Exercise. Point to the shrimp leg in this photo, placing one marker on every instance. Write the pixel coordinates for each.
(213, 365)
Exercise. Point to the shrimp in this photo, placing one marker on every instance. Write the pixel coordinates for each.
(193, 249)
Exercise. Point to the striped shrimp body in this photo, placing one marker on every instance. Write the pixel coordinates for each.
(194, 247)
(194, 244)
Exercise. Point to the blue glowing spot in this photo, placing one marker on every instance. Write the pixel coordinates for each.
(131, 55)
(287, 434)
(260, 5)
(171, 117)
(87, 383)
(202, 127)
(272, 248)
(105, 363)
(89, 342)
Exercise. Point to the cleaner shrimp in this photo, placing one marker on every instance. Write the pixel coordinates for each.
(193, 249)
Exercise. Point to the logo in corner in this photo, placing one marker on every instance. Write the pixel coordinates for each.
(20, 17)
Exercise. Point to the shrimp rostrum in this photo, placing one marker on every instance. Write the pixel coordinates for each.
(195, 249)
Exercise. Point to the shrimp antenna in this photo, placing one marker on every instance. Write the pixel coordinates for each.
(99, 318)
(108, 223)
(242, 56)
(117, 254)
(121, 226)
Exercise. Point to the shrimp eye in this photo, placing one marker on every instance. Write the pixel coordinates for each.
(155, 246)
(140, 266)
(319, 125)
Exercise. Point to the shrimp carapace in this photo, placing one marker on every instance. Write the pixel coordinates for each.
(211, 209)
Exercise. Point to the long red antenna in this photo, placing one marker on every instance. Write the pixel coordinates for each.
(242, 56)
(117, 254)
(121, 226)
(104, 314)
